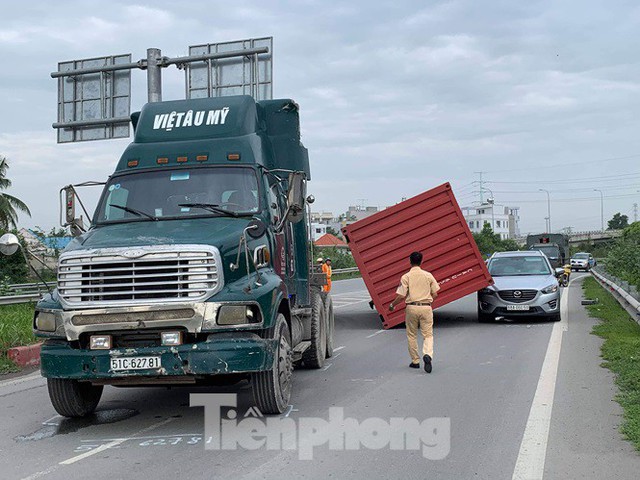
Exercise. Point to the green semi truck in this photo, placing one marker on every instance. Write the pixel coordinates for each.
(196, 267)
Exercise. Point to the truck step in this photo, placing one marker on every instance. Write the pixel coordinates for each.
(299, 349)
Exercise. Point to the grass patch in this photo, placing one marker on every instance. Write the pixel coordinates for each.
(15, 330)
(621, 352)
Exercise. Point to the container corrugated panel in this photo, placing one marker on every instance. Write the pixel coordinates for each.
(430, 223)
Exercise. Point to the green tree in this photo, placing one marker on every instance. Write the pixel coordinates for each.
(340, 257)
(623, 259)
(9, 205)
(618, 222)
(489, 242)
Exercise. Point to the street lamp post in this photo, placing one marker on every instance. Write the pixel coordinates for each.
(601, 208)
(491, 201)
(548, 208)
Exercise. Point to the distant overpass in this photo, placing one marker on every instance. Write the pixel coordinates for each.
(596, 236)
(591, 237)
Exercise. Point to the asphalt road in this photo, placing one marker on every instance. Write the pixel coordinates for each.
(508, 400)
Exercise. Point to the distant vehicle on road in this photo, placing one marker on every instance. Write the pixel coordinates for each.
(554, 245)
(582, 261)
(525, 285)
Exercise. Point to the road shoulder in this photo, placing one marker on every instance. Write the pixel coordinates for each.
(584, 439)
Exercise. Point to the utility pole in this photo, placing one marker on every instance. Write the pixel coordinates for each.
(481, 187)
(601, 208)
(635, 212)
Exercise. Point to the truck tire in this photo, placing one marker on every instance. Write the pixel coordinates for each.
(272, 388)
(72, 398)
(330, 321)
(314, 356)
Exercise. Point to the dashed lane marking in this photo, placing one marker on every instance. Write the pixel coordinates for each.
(375, 333)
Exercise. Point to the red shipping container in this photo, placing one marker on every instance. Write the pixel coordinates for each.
(430, 223)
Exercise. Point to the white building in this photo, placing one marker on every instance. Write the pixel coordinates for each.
(325, 218)
(318, 230)
(505, 221)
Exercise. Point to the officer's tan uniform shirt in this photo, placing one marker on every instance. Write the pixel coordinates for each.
(418, 286)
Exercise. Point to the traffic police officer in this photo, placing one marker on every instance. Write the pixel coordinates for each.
(419, 289)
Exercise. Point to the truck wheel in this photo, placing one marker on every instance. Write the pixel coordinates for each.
(328, 309)
(314, 356)
(72, 398)
(272, 389)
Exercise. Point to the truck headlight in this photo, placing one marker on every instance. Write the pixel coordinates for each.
(550, 289)
(100, 342)
(237, 315)
(45, 321)
(171, 338)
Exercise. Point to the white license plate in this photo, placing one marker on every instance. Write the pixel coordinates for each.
(134, 363)
(518, 307)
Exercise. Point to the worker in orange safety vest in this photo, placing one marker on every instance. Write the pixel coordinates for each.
(326, 268)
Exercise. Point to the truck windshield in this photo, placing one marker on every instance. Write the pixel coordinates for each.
(179, 193)
(516, 266)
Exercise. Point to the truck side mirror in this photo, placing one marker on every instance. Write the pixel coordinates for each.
(296, 196)
(69, 204)
(9, 244)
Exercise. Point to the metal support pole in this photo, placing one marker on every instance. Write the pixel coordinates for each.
(548, 208)
(154, 75)
(601, 208)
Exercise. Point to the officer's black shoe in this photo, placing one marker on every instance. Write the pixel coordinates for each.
(414, 365)
(427, 363)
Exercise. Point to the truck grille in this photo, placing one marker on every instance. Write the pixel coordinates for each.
(514, 297)
(139, 275)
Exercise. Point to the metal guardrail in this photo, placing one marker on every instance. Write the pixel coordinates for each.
(624, 295)
(345, 270)
(24, 293)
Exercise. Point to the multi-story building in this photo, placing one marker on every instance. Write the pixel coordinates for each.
(325, 218)
(505, 221)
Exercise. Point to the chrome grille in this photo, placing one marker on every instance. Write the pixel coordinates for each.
(514, 297)
(139, 275)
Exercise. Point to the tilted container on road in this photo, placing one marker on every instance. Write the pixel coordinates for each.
(430, 223)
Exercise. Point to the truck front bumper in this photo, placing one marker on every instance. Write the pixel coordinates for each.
(222, 353)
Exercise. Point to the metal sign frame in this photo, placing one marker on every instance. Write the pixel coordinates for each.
(249, 74)
(94, 98)
(94, 94)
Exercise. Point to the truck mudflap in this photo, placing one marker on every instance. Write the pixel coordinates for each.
(220, 354)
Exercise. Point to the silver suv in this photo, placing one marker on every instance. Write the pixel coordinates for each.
(525, 285)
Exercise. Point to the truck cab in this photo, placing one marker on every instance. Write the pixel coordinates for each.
(196, 265)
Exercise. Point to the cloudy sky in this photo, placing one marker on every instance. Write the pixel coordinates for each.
(396, 97)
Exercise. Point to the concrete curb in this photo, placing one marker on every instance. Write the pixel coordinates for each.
(28, 356)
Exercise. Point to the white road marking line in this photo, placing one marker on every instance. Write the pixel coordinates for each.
(337, 349)
(51, 422)
(336, 355)
(49, 470)
(109, 445)
(290, 409)
(352, 303)
(376, 333)
(19, 380)
(326, 367)
(533, 449)
(357, 292)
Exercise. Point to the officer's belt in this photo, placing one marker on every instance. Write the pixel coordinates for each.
(420, 304)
